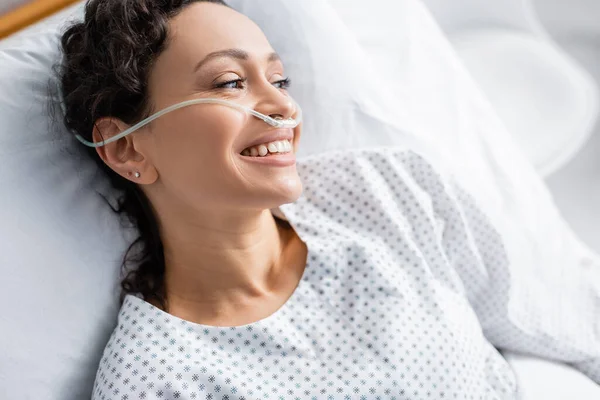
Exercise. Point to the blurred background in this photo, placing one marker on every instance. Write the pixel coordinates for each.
(8, 5)
(575, 25)
(538, 62)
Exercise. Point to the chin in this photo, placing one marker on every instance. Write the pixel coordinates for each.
(289, 189)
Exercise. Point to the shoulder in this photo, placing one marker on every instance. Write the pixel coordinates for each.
(344, 168)
(373, 191)
(126, 362)
(359, 176)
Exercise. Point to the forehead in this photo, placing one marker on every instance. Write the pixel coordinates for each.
(203, 28)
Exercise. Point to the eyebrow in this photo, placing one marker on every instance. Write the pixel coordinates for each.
(233, 53)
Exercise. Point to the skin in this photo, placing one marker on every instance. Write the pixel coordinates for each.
(228, 261)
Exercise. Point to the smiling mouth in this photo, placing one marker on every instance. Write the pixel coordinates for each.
(269, 149)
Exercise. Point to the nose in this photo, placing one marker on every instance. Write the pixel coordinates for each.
(275, 103)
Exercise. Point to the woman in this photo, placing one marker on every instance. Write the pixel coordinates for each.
(362, 274)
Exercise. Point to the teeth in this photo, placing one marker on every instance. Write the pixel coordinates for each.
(262, 150)
(282, 146)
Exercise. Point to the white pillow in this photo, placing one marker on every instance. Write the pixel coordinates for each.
(60, 243)
(63, 245)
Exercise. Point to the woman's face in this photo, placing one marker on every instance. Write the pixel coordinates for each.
(214, 51)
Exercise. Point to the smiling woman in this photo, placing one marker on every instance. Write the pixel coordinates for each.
(198, 172)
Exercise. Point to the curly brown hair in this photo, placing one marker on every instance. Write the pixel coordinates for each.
(107, 59)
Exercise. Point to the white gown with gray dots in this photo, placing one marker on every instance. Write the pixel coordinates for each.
(404, 296)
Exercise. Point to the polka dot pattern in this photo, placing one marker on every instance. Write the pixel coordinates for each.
(406, 287)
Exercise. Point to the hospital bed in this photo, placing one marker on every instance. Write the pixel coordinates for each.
(61, 246)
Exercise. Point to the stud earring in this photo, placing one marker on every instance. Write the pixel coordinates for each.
(137, 174)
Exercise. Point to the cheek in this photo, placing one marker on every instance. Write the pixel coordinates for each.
(196, 140)
(197, 131)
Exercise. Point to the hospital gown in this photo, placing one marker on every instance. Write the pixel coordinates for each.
(404, 296)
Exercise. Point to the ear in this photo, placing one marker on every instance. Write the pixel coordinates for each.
(124, 156)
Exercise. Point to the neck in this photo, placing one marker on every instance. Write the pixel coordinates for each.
(221, 262)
